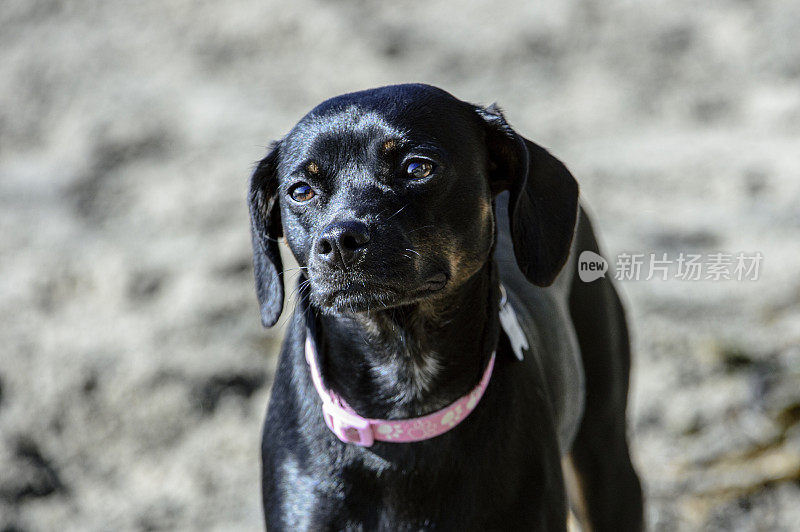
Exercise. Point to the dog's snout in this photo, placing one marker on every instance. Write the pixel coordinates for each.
(341, 243)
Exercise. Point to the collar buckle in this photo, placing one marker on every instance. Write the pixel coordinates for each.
(348, 427)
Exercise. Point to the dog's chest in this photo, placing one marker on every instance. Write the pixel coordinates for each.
(377, 497)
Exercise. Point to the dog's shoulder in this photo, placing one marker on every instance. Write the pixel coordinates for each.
(543, 314)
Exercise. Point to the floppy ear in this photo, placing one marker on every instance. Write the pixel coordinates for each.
(543, 201)
(265, 229)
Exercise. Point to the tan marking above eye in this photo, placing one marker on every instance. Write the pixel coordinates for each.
(312, 168)
(389, 145)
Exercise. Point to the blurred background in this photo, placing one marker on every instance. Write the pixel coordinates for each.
(134, 373)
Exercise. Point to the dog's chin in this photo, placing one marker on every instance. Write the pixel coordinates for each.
(360, 297)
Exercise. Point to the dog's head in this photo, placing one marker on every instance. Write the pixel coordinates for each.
(385, 197)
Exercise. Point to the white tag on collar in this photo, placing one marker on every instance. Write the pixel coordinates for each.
(510, 324)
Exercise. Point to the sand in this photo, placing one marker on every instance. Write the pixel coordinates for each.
(134, 373)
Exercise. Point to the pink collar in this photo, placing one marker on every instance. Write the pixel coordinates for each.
(352, 428)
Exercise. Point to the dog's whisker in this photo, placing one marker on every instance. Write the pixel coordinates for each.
(298, 289)
(398, 212)
(420, 228)
(265, 236)
(287, 270)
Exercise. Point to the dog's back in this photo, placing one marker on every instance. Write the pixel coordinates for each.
(603, 485)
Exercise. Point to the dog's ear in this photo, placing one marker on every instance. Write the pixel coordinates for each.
(543, 201)
(265, 229)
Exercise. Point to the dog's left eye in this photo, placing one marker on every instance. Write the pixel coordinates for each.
(419, 169)
(301, 192)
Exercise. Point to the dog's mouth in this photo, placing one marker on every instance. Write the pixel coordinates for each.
(359, 294)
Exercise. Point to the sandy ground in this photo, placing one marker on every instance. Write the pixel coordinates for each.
(134, 373)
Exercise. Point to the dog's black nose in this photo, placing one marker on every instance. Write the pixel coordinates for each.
(341, 243)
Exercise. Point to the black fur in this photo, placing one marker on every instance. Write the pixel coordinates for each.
(544, 199)
(406, 325)
(265, 229)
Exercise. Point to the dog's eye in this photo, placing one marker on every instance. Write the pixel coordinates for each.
(301, 192)
(419, 169)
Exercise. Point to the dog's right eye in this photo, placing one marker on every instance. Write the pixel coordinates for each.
(419, 169)
(301, 192)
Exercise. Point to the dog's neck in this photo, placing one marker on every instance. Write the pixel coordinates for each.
(413, 360)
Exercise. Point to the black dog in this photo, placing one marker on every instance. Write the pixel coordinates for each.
(406, 209)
